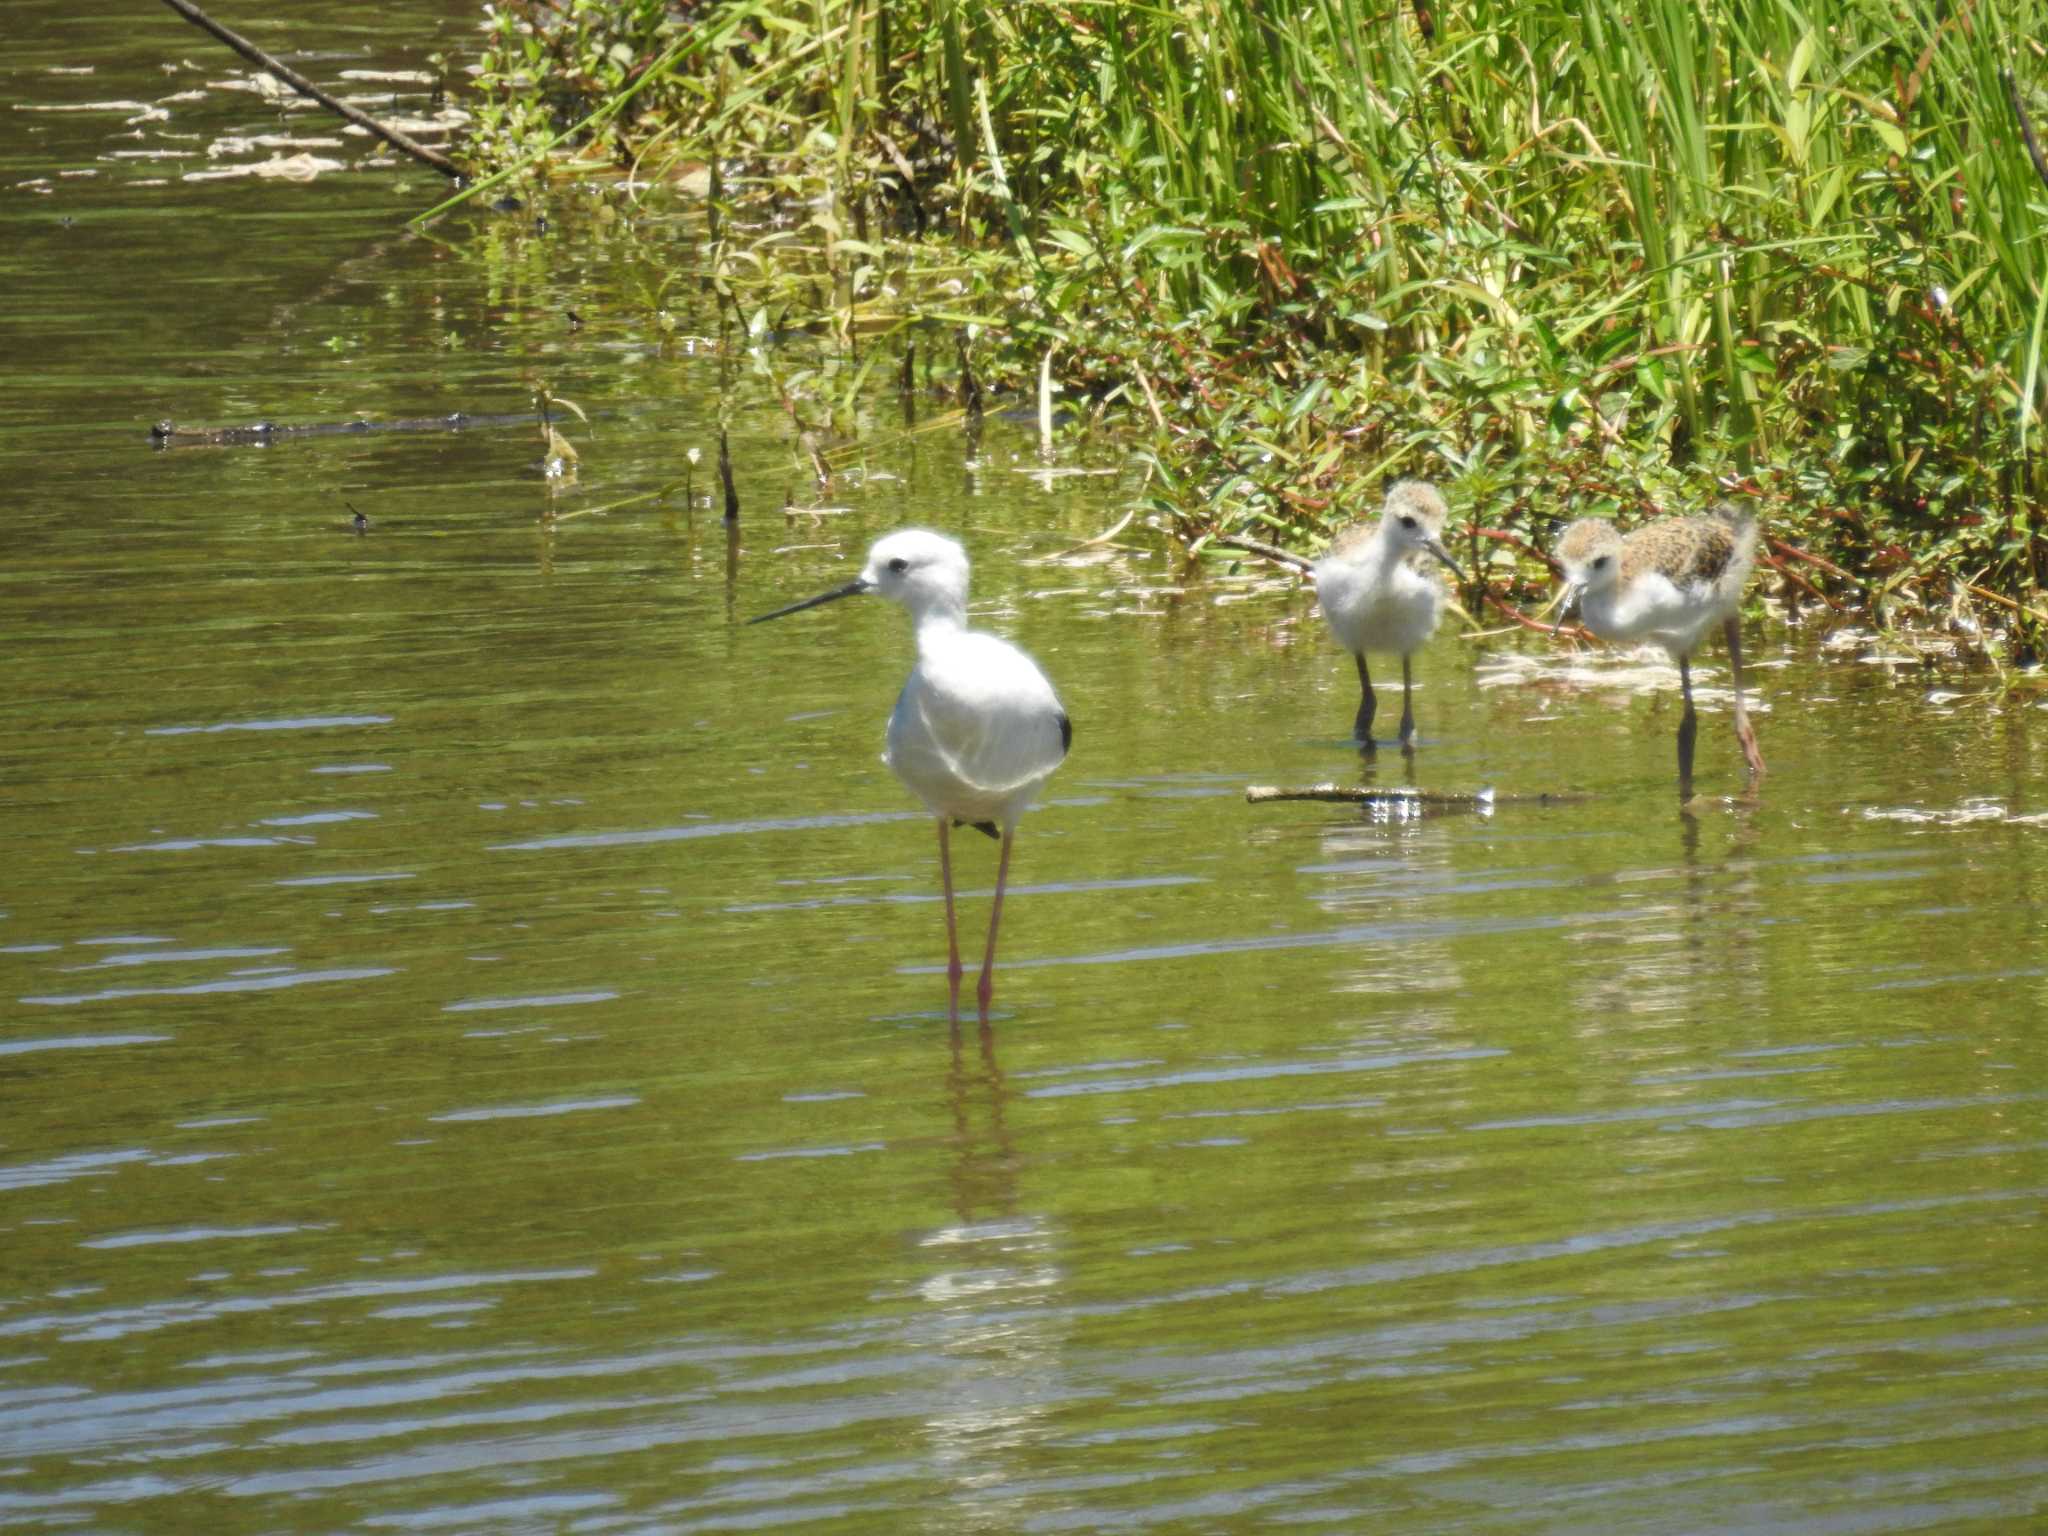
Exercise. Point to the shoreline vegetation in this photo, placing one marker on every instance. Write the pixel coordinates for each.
(1606, 259)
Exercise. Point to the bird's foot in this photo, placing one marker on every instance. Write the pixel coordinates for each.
(1751, 753)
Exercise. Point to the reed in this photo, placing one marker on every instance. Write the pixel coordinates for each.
(1581, 254)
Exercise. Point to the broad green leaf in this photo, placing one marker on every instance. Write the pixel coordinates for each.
(1802, 59)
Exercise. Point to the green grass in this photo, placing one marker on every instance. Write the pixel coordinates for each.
(1566, 257)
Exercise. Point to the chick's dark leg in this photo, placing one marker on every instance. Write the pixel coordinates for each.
(1407, 704)
(1367, 704)
(1688, 728)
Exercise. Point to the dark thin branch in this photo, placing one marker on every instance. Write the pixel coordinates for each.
(1799, 581)
(970, 387)
(1794, 552)
(1270, 552)
(305, 87)
(1508, 610)
(1516, 541)
(2019, 110)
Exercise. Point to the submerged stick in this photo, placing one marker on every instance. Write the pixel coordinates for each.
(168, 434)
(1426, 799)
(1045, 404)
(970, 387)
(732, 497)
(307, 88)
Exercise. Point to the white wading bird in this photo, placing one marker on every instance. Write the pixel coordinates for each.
(1668, 582)
(976, 731)
(1380, 592)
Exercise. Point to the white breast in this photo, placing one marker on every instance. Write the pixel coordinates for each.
(1375, 607)
(1657, 609)
(976, 731)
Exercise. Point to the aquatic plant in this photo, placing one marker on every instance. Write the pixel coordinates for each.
(1568, 257)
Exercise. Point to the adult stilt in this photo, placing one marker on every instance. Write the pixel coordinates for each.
(976, 730)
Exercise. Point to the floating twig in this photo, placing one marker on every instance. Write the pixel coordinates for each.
(168, 434)
(1421, 799)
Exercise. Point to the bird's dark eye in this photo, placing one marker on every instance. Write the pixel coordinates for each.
(1600, 564)
(899, 565)
(1408, 523)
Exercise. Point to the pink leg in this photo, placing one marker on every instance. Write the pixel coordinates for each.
(1744, 731)
(952, 932)
(995, 917)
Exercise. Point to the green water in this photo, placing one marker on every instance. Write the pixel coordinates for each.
(472, 1038)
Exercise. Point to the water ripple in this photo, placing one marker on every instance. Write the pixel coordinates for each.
(75, 1042)
(709, 829)
(547, 1000)
(288, 723)
(920, 898)
(149, 1317)
(1259, 1071)
(534, 1111)
(204, 988)
(1363, 933)
(195, 1235)
(61, 1170)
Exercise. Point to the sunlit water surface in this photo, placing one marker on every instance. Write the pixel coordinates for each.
(474, 1053)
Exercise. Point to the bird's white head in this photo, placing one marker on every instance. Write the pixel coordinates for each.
(1590, 552)
(1413, 519)
(925, 572)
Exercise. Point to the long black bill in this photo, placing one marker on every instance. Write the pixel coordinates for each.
(853, 588)
(1436, 548)
(1565, 604)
